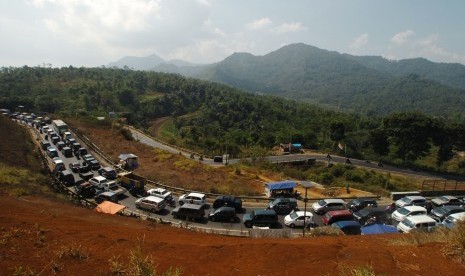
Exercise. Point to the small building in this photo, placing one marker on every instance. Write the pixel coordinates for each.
(129, 161)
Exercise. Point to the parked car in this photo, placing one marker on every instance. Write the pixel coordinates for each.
(283, 206)
(67, 177)
(192, 198)
(350, 227)
(52, 152)
(423, 222)
(407, 211)
(160, 192)
(451, 220)
(324, 205)
(67, 152)
(152, 203)
(86, 175)
(44, 144)
(440, 213)
(92, 164)
(108, 173)
(331, 217)
(70, 141)
(87, 157)
(374, 214)
(358, 204)
(55, 139)
(189, 211)
(298, 218)
(106, 196)
(446, 200)
(58, 164)
(86, 190)
(223, 214)
(411, 201)
(77, 167)
(265, 218)
(229, 201)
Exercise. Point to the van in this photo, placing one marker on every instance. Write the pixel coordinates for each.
(334, 216)
(423, 222)
(189, 211)
(283, 206)
(223, 214)
(152, 203)
(67, 177)
(266, 218)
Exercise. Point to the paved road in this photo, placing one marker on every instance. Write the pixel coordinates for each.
(143, 138)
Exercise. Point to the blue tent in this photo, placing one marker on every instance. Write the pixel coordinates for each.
(378, 229)
(281, 185)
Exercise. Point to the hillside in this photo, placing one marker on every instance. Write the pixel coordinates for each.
(43, 236)
(361, 84)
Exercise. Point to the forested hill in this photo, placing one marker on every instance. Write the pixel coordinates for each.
(369, 85)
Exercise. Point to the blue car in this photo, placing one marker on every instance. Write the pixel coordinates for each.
(348, 227)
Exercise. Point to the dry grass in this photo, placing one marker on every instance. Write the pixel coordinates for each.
(324, 231)
(455, 239)
(357, 271)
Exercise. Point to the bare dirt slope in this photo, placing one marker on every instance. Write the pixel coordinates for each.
(50, 237)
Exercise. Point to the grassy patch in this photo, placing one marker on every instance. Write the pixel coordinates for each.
(325, 231)
(357, 271)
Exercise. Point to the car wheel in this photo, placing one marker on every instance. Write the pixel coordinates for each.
(213, 219)
(292, 225)
(175, 216)
(181, 203)
(232, 220)
(137, 206)
(154, 210)
(248, 225)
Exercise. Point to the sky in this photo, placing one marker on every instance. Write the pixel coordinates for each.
(93, 33)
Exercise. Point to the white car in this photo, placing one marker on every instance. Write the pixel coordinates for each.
(322, 206)
(160, 192)
(299, 218)
(410, 201)
(98, 181)
(451, 220)
(193, 198)
(421, 222)
(151, 203)
(400, 214)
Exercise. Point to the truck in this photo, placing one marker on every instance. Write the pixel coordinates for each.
(101, 183)
(134, 183)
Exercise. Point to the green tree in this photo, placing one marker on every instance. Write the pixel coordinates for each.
(410, 133)
(379, 141)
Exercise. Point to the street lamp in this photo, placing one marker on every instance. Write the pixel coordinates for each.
(306, 185)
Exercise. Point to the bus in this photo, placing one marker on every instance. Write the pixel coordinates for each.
(60, 127)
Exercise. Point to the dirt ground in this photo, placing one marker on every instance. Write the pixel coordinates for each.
(57, 238)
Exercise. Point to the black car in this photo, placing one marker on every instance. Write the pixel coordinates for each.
(229, 201)
(366, 214)
(67, 152)
(92, 164)
(44, 144)
(108, 173)
(266, 218)
(440, 213)
(283, 206)
(86, 175)
(67, 177)
(106, 196)
(360, 203)
(189, 211)
(223, 214)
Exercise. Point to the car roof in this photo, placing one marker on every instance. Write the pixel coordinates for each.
(108, 193)
(420, 219)
(153, 198)
(339, 213)
(301, 213)
(333, 200)
(192, 206)
(414, 208)
(447, 196)
(196, 194)
(264, 212)
(415, 197)
(346, 223)
(100, 178)
(459, 216)
(451, 207)
(226, 208)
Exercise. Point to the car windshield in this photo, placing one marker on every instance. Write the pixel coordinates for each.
(408, 223)
(164, 192)
(407, 200)
(293, 215)
(441, 210)
(403, 211)
(322, 202)
(356, 201)
(364, 212)
(443, 198)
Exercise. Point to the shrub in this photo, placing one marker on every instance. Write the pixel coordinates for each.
(326, 178)
(325, 231)
(353, 176)
(456, 242)
(127, 134)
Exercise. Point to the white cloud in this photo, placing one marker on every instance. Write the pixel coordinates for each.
(402, 37)
(259, 24)
(428, 47)
(289, 28)
(359, 41)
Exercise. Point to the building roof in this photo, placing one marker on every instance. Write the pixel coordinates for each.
(281, 185)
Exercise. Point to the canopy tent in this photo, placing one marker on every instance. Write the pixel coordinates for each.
(378, 229)
(109, 207)
(286, 187)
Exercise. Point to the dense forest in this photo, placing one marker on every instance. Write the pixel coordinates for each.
(217, 118)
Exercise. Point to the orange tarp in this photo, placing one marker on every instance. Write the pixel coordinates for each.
(109, 207)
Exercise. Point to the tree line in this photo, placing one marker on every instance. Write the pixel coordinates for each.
(217, 118)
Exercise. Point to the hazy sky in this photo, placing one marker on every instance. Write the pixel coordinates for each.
(97, 32)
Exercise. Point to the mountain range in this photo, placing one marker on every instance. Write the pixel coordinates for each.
(361, 84)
